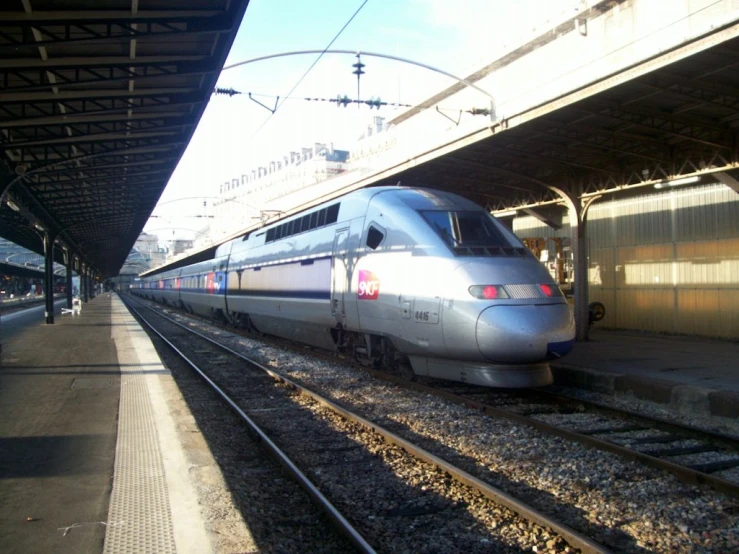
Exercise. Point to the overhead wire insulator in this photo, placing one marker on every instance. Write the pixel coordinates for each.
(375, 103)
(343, 100)
(220, 91)
(358, 72)
(359, 65)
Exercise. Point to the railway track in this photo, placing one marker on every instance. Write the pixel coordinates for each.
(694, 455)
(616, 501)
(382, 491)
(678, 449)
(15, 305)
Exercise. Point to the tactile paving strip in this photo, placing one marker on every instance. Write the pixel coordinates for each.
(139, 517)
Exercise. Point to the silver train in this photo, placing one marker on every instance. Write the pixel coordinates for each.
(413, 279)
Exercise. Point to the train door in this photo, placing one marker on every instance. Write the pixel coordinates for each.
(338, 275)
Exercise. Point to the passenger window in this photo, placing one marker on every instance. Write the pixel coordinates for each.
(332, 214)
(374, 237)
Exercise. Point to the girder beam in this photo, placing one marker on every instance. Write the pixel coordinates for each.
(25, 32)
(38, 77)
(107, 117)
(65, 96)
(54, 134)
(90, 138)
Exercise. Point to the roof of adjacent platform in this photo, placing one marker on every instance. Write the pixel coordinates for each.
(673, 116)
(98, 101)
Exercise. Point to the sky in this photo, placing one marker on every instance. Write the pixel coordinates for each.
(236, 134)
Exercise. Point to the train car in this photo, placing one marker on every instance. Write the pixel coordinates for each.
(203, 286)
(163, 288)
(419, 280)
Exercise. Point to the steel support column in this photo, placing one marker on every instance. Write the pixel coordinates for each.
(70, 265)
(83, 284)
(49, 276)
(580, 261)
(728, 180)
(578, 210)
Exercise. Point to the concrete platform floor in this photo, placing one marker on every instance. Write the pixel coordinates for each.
(692, 375)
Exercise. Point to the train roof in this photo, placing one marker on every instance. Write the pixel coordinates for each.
(416, 198)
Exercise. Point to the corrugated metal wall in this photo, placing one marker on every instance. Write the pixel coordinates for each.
(667, 262)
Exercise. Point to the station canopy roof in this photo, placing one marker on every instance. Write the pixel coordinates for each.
(672, 119)
(98, 101)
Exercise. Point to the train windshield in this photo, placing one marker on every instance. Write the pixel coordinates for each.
(466, 228)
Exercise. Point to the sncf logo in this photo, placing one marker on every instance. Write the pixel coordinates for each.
(369, 286)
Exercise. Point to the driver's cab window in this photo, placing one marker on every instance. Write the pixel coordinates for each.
(374, 237)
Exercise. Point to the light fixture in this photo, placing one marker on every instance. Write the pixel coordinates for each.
(677, 182)
(12, 205)
(39, 227)
(506, 213)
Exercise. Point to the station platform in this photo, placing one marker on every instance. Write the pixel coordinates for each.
(90, 460)
(689, 375)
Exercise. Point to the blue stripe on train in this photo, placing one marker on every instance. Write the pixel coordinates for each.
(199, 291)
(315, 294)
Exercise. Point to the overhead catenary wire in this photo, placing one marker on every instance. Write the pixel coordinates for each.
(279, 104)
(345, 101)
(488, 111)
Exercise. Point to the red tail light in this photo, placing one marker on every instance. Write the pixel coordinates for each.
(488, 292)
(550, 290)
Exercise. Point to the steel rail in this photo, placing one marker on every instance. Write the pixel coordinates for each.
(666, 424)
(344, 526)
(573, 537)
(686, 474)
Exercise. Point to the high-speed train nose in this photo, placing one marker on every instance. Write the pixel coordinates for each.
(525, 333)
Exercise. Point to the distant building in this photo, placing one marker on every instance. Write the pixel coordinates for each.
(146, 244)
(377, 140)
(148, 247)
(203, 237)
(180, 246)
(242, 199)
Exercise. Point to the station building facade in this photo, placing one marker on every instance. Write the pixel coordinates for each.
(242, 201)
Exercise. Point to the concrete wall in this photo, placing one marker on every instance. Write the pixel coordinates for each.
(667, 262)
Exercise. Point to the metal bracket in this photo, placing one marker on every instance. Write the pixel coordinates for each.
(459, 117)
(273, 110)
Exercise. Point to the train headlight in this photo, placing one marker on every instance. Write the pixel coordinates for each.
(488, 292)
